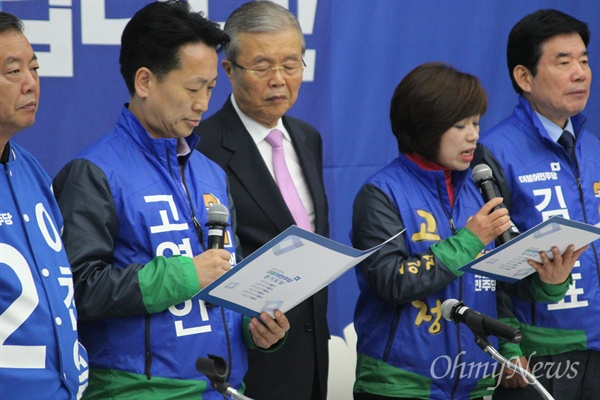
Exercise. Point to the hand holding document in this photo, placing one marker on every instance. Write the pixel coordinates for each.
(284, 272)
(509, 261)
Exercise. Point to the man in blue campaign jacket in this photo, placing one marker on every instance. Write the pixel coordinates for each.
(405, 349)
(135, 224)
(40, 356)
(548, 64)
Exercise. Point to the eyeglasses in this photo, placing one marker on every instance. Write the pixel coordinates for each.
(291, 69)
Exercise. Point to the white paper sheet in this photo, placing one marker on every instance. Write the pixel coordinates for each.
(509, 261)
(284, 272)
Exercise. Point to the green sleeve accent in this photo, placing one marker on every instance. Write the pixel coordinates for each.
(458, 250)
(510, 350)
(250, 343)
(115, 384)
(167, 281)
(547, 292)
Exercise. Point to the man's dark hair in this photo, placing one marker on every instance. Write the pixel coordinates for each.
(528, 36)
(156, 33)
(430, 100)
(9, 22)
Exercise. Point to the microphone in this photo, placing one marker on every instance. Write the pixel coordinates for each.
(218, 215)
(216, 370)
(484, 179)
(455, 311)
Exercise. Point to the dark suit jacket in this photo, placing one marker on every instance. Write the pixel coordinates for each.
(261, 215)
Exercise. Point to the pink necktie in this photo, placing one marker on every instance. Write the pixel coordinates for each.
(285, 182)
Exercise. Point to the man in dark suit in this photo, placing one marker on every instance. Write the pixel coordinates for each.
(264, 62)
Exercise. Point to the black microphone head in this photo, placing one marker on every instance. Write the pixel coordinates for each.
(482, 172)
(448, 306)
(217, 214)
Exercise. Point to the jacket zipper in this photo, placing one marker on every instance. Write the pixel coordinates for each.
(199, 233)
(392, 333)
(460, 280)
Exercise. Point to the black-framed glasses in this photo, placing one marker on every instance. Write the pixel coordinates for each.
(289, 68)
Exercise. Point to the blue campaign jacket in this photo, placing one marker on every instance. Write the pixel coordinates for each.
(154, 205)
(398, 314)
(544, 181)
(39, 353)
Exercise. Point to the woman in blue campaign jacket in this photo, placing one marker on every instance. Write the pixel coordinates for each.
(405, 348)
(133, 206)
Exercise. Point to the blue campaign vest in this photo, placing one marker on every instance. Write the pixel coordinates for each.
(40, 352)
(428, 347)
(155, 218)
(543, 177)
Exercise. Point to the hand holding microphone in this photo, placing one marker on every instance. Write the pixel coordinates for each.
(488, 223)
(214, 262)
(484, 179)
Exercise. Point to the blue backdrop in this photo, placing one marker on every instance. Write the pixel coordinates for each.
(358, 50)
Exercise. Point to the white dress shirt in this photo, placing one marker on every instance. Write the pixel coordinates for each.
(259, 133)
(555, 131)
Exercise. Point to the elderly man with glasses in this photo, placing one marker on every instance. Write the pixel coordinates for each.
(274, 165)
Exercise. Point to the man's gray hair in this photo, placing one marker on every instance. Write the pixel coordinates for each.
(258, 17)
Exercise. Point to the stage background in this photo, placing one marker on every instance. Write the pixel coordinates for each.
(358, 51)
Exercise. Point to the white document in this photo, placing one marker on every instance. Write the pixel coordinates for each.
(284, 272)
(509, 261)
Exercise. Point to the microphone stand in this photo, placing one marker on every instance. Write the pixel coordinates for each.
(216, 369)
(484, 345)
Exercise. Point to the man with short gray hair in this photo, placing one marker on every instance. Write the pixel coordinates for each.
(274, 165)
